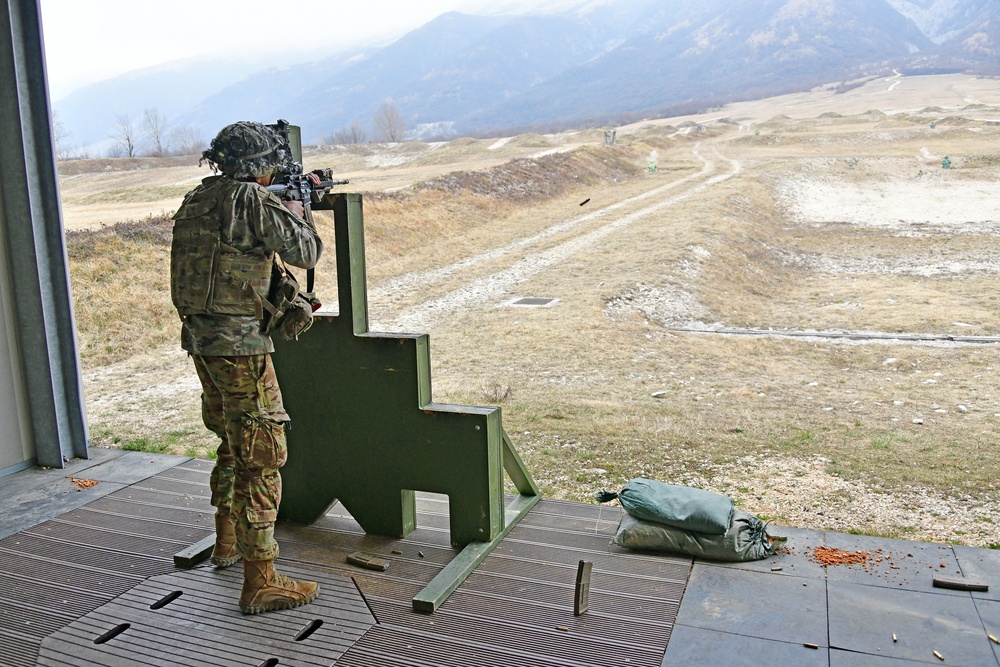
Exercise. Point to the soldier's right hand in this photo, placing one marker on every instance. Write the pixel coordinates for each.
(295, 206)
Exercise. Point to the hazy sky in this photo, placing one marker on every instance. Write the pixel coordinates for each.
(91, 40)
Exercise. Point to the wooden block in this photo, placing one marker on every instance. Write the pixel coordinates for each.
(582, 601)
(195, 553)
(368, 561)
(959, 583)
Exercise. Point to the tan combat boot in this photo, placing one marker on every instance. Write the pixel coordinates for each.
(224, 554)
(266, 590)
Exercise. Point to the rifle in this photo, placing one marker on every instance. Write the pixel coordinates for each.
(290, 184)
(298, 187)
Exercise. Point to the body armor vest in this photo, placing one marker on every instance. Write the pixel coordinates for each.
(208, 276)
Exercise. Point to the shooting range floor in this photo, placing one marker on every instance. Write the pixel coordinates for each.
(88, 579)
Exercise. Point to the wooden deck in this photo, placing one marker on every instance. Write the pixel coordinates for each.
(97, 586)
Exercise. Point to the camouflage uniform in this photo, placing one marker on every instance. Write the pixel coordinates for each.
(241, 402)
(226, 233)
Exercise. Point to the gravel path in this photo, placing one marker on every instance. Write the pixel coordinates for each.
(535, 255)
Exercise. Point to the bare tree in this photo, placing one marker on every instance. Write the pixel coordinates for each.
(187, 140)
(60, 140)
(154, 127)
(126, 136)
(355, 134)
(60, 134)
(389, 125)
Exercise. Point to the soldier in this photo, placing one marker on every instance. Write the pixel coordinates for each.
(226, 234)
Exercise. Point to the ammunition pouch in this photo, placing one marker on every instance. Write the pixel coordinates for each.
(239, 280)
(289, 311)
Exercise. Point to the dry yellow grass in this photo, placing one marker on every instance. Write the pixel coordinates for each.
(121, 289)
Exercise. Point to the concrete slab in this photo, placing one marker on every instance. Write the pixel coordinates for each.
(765, 605)
(694, 647)
(900, 564)
(32, 496)
(132, 467)
(863, 618)
(852, 659)
(981, 565)
(989, 612)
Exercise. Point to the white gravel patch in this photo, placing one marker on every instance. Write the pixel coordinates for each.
(907, 208)
(380, 161)
(550, 151)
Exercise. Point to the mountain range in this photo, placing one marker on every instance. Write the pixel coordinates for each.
(592, 62)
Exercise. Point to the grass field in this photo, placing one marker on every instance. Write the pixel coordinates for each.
(838, 220)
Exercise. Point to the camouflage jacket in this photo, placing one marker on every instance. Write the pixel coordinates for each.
(246, 221)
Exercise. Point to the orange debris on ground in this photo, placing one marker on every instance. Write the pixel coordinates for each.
(833, 556)
(82, 484)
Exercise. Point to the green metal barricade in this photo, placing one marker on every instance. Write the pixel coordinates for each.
(366, 432)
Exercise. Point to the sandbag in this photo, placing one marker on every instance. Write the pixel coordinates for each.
(746, 539)
(682, 507)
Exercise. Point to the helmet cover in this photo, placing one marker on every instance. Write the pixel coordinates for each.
(246, 150)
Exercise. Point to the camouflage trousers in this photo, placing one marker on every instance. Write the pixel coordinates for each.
(241, 403)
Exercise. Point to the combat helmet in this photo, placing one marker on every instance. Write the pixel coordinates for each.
(246, 150)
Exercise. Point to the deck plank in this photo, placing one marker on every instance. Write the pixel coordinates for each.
(103, 564)
(204, 625)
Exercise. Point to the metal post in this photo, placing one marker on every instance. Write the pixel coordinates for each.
(33, 236)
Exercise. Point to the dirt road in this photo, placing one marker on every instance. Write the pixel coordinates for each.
(530, 256)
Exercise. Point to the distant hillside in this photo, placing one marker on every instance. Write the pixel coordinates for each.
(88, 114)
(453, 64)
(718, 54)
(597, 62)
(946, 20)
